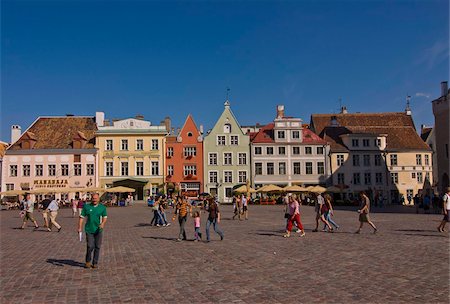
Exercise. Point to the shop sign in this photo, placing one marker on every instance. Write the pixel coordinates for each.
(51, 183)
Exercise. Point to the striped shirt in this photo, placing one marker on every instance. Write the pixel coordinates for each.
(182, 208)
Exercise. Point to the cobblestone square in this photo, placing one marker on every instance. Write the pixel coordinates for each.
(406, 262)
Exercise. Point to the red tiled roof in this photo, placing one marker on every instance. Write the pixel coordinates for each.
(266, 135)
(59, 132)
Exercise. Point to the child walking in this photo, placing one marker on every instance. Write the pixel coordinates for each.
(198, 234)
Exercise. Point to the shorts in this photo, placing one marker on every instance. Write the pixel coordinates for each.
(447, 216)
(244, 208)
(28, 216)
(364, 218)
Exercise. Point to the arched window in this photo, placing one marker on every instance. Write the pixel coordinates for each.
(189, 134)
(227, 128)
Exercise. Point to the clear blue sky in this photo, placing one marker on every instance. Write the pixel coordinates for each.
(173, 58)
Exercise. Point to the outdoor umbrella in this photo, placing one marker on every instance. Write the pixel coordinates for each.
(294, 188)
(270, 188)
(243, 189)
(318, 189)
(334, 189)
(120, 189)
(13, 192)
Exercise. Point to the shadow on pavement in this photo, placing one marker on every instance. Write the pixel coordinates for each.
(161, 238)
(267, 234)
(415, 230)
(65, 262)
(435, 235)
(143, 225)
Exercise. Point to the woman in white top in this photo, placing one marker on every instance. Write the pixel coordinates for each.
(446, 209)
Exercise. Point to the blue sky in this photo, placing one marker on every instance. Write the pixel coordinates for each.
(173, 58)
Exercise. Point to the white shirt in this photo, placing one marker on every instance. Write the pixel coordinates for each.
(53, 206)
(446, 200)
(244, 201)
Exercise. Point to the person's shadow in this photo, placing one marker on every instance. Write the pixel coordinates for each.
(65, 262)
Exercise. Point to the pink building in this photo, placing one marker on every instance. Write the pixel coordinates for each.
(54, 153)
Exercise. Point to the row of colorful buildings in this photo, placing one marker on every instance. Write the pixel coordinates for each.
(378, 152)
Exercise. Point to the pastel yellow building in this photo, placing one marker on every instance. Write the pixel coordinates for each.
(380, 153)
(131, 154)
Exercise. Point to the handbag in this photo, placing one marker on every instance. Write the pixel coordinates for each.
(287, 215)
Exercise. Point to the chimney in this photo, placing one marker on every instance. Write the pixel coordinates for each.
(201, 129)
(444, 88)
(16, 132)
(280, 111)
(344, 110)
(100, 119)
(168, 123)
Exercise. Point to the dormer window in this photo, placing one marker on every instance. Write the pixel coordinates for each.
(227, 128)
(189, 134)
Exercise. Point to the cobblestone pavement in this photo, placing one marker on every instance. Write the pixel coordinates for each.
(407, 261)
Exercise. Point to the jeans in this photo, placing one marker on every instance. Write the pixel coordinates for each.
(216, 228)
(198, 234)
(94, 242)
(182, 222)
(162, 218)
(330, 220)
(156, 218)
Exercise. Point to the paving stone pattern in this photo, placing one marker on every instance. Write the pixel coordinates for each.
(406, 262)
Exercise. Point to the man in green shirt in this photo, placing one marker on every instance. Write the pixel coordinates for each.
(96, 218)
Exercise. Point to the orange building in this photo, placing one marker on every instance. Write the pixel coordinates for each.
(184, 160)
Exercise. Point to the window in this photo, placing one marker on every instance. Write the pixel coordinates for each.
(427, 160)
(270, 169)
(155, 144)
(234, 140)
(90, 169)
(77, 158)
(65, 170)
(124, 145)
(413, 175)
(366, 160)
(419, 159)
(228, 192)
(356, 179)
(319, 150)
(228, 176)
(212, 177)
(190, 170)
(26, 170)
(77, 169)
(139, 144)
(227, 159)
(242, 159)
(51, 170)
(281, 134)
(269, 150)
(12, 170)
(340, 159)
(356, 160)
(281, 150)
(355, 142)
(394, 178)
(190, 151)
(379, 178)
(296, 134)
(170, 170)
(365, 143)
(320, 168)
(139, 168)
(296, 168)
(377, 142)
(9, 187)
(258, 150)
(258, 168)
(124, 168)
(308, 168)
(242, 177)
(340, 179)
(221, 140)
(155, 168)
(212, 159)
(419, 177)
(109, 145)
(296, 150)
(39, 170)
(189, 134)
(367, 178)
(227, 128)
(308, 150)
(282, 168)
(170, 152)
(377, 160)
(393, 159)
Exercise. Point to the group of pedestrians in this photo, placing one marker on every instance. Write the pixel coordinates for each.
(159, 206)
(240, 207)
(49, 207)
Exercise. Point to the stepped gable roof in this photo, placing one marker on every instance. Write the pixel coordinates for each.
(266, 135)
(398, 127)
(59, 132)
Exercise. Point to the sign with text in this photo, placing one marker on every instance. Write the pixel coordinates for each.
(51, 183)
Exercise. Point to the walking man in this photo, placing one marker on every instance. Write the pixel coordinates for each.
(45, 203)
(53, 209)
(182, 209)
(446, 210)
(96, 217)
(214, 219)
(364, 212)
(29, 208)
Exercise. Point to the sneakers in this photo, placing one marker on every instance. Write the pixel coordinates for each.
(178, 240)
(168, 224)
(303, 233)
(221, 237)
(87, 265)
(59, 229)
(94, 266)
(49, 230)
(158, 225)
(286, 235)
(36, 228)
(324, 230)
